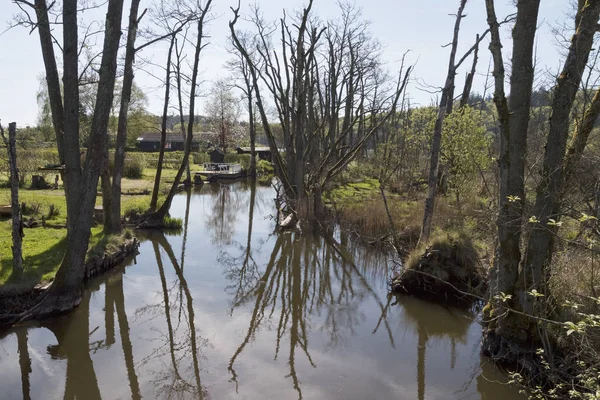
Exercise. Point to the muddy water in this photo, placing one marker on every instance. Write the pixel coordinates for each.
(227, 309)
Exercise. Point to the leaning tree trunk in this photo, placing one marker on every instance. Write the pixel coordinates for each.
(164, 208)
(188, 176)
(444, 108)
(17, 227)
(163, 130)
(113, 218)
(52, 78)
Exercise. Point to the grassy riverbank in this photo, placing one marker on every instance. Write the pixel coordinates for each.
(43, 247)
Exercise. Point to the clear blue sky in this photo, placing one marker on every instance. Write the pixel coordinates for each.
(420, 26)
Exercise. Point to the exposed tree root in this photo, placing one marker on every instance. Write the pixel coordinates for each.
(46, 302)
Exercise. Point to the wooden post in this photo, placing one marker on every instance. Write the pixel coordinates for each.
(17, 231)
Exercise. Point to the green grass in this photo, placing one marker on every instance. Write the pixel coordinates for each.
(43, 250)
(172, 223)
(354, 192)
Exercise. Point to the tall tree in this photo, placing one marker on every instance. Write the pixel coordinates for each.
(223, 109)
(547, 208)
(329, 103)
(240, 67)
(513, 120)
(112, 205)
(200, 14)
(81, 180)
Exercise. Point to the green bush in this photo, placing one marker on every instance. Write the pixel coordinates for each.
(264, 167)
(242, 159)
(134, 166)
(29, 161)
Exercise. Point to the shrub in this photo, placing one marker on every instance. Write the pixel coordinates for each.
(264, 167)
(200, 157)
(134, 166)
(172, 223)
(242, 159)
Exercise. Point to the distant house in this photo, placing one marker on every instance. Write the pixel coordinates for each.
(150, 141)
(264, 153)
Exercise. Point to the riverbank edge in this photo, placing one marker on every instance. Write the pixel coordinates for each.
(18, 298)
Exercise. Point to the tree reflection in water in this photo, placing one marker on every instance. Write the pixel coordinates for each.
(304, 277)
(24, 362)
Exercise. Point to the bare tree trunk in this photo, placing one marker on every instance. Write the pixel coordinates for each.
(436, 144)
(464, 99)
(17, 227)
(81, 184)
(540, 245)
(252, 129)
(52, 78)
(513, 118)
(113, 216)
(107, 201)
(164, 208)
(188, 178)
(163, 129)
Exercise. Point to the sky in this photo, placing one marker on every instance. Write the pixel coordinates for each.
(420, 27)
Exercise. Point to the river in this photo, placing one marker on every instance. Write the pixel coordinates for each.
(228, 309)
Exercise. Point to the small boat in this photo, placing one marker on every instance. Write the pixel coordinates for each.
(214, 172)
(5, 210)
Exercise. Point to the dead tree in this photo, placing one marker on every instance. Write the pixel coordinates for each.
(17, 226)
(324, 82)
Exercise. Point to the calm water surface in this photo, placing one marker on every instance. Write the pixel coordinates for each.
(227, 309)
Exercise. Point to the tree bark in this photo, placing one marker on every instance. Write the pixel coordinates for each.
(540, 246)
(252, 129)
(188, 176)
(81, 184)
(113, 224)
(513, 119)
(17, 225)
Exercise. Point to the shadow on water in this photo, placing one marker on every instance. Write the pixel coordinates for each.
(288, 316)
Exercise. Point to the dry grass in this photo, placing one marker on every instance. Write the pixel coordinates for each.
(444, 270)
